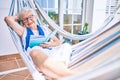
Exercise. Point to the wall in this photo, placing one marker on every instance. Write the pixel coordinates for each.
(6, 44)
(98, 14)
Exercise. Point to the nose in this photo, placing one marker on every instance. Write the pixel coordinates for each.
(28, 19)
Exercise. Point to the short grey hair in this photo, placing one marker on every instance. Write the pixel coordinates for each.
(24, 10)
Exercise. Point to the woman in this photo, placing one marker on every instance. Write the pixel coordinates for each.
(50, 58)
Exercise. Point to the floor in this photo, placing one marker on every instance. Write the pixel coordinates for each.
(14, 62)
(9, 63)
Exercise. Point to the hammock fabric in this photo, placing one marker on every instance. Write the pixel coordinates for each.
(83, 53)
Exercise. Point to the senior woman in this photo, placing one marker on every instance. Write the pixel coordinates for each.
(50, 58)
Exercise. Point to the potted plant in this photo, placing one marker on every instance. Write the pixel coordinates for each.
(84, 31)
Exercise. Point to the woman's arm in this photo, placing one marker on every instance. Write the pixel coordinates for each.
(12, 22)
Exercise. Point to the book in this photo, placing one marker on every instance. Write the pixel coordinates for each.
(41, 39)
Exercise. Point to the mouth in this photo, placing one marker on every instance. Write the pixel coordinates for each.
(30, 23)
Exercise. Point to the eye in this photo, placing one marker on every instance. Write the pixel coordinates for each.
(26, 19)
(31, 16)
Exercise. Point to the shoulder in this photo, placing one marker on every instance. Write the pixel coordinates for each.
(24, 32)
(46, 28)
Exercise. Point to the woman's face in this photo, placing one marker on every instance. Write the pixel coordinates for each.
(28, 19)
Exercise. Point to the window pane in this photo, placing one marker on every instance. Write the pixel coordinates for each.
(73, 6)
(53, 15)
(77, 19)
(76, 29)
(43, 3)
(51, 3)
(67, 19)
(67, 28)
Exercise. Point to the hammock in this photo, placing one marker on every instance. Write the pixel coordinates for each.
(80, 55)
(108, 70)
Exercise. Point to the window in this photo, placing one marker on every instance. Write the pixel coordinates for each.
(72, 13)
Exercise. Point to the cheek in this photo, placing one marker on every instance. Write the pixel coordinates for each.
(35, 22)
(34, 19)
(25, 24)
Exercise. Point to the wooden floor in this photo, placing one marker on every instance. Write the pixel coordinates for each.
(9, 63)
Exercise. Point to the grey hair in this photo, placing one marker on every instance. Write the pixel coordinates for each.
(24, 10)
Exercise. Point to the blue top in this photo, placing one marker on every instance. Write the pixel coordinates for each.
(29, 33)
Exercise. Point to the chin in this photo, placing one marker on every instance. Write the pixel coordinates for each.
(32, 25)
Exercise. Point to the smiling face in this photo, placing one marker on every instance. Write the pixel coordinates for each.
(28, 19)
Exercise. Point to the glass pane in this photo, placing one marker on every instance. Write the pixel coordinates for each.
(51, 3)
(73, 6)
(43, 3)
(67, 28)
(77, 6)
(77, 19)
(53, 15)
(76, 29)
(67, 19)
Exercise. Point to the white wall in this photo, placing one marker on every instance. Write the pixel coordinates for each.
(6, 44)
(98, 14)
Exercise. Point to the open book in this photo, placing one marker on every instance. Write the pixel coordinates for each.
(39, 40)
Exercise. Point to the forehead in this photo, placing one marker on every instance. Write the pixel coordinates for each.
(26, 14)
